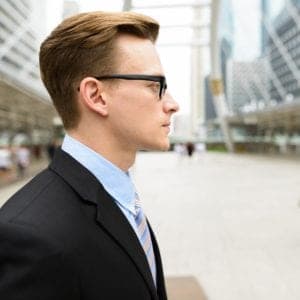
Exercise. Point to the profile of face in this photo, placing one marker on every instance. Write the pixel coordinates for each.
(138, 117)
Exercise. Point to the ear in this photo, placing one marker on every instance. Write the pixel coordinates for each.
(92, 95)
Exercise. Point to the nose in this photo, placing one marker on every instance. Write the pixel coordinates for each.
(169, 104)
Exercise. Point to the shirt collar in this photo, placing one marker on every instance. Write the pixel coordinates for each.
(114, 180)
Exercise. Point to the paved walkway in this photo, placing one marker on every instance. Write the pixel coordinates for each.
(230, 221)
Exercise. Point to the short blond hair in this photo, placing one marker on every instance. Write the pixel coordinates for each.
(83, 45)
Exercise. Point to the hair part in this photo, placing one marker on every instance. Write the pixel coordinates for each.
(83, 45)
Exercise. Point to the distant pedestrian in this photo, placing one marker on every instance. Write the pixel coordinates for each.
(200, 149)
(22, 156)
(5, 163)
(5, 158)
(37, 151)
(180, 149)
(190, 148)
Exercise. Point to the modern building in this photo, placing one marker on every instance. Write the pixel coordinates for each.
(19, 42)
(227, 38)
(265, 13)
(24, 104)
(247, 86)
(284, 53)
(265, 93)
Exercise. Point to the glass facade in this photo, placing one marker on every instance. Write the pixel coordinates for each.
(19, 45)
(284, 54)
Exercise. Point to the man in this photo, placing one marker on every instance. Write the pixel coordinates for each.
(77, 230)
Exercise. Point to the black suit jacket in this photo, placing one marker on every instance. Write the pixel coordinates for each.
(63, 237)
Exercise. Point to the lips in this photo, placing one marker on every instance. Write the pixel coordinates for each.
(167, 126)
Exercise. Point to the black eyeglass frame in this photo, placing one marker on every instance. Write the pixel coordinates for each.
(155, 78)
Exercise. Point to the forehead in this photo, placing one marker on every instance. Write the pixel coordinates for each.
(136, 55)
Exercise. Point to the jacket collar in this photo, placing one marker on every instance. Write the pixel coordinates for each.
(114, 180)
(109, 216)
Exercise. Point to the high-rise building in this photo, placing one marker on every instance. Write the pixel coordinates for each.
(226, 33)
(21, 30)
(265, 16)
(24, 102)
(247, 84)
(284, 53)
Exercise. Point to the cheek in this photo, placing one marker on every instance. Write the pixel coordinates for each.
(135, 110)
(125, 117)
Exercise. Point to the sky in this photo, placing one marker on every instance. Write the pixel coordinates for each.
(246, 45)
(247, 26)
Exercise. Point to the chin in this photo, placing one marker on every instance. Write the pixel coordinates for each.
(156, 146)
(162, 146)
(165, 147)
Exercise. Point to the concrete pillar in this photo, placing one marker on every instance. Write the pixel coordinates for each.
(197, 76)
(216, 77)
(127, 5)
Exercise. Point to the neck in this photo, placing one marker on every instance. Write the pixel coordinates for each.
(107, 147)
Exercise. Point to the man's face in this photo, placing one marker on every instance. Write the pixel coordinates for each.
(137, 117)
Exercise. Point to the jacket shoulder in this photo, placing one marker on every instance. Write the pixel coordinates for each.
(44, 186)
(49, 207)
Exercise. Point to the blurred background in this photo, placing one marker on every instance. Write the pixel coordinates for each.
(230, 185)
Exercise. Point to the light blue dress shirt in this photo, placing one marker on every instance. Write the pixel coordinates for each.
(114, 180)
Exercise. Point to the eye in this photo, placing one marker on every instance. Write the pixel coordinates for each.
(155, 86)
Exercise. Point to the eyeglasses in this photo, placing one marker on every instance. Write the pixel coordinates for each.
(161, 79)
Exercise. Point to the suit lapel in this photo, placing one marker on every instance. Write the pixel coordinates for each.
(112, 219)
(161, 288)
(109, 216)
